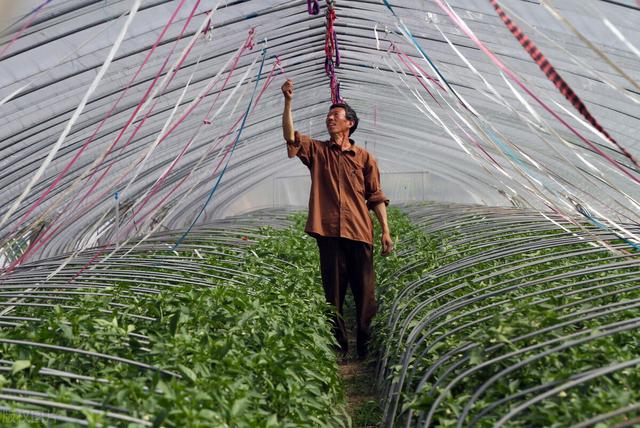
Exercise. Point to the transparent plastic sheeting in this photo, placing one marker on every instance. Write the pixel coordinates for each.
(118, 119)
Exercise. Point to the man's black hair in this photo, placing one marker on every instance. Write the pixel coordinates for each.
(350, 114)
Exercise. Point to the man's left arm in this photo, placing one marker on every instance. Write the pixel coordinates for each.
(381, 214)
(377, 201)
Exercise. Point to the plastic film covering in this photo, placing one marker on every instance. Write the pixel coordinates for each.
(121, 118)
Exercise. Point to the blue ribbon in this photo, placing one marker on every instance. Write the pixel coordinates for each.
(235, 143)
(594, 221)
(417, 45)
(23, 17)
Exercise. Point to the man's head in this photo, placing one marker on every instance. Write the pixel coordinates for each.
(341, 118)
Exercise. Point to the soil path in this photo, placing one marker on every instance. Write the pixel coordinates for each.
(359, 381)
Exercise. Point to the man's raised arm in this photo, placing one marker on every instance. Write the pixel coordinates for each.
(287, 117)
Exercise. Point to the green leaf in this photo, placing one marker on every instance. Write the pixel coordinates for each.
(272, 421)
(476, 356)
(157, 422)
(209, 415)
(239, 406)
(435, 347)
(67, 331)
(102, 322)
(190, 374)
(173, 324)
(20, 365)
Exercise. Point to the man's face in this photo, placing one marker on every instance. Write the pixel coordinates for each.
(337, 121)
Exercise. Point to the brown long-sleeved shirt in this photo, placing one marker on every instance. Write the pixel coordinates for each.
(345, 185)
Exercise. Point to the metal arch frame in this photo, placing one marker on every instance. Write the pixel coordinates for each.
(360, 54)
(28, 287)
(414, 342)
(410, 287)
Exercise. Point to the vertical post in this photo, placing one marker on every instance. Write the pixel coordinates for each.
(117, 219)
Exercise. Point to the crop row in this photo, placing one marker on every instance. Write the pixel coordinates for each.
(229, 331)
(501, 317)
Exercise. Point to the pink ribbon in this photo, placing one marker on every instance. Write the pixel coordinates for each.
(513, 77)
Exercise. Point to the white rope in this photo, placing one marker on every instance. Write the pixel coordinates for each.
(76, 113)
(43, 73)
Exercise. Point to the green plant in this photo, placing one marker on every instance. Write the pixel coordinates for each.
(228, 340)
(475, 341)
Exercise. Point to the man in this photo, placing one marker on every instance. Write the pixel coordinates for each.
(345, 185)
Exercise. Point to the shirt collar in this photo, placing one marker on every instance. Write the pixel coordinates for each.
(353, 149)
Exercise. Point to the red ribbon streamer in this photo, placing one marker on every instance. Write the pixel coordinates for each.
(34, 14)
(555, 78)
(331, 51)
(103, 248)
(99, 127)
(393, 48)
(49, 234)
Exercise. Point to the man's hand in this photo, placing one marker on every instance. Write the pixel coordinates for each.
(287, 90)
(287, 118)
(387, 244)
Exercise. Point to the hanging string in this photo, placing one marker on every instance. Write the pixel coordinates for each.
(159, 182)
(247, 45)
(268, 80)
(170, 75)
(591, 46)
(100, 125)
(103, 249)
(511, 155)
(400, 56)
(40, 75)
(52, 231)
(235, 143)
(30, 18)
(555, 78)
(602, 226)
(581, 62)
(492, 136)
(331, 51)
(147, 98)
(540, 124)
(76, 114)
(98, 161)
(64, 198)
(417, 66)
(621, 37)
(313, 7)
(458, 21)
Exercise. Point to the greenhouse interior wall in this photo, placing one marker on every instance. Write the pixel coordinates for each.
(159, 252)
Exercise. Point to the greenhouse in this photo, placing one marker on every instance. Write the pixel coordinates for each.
(183, 209)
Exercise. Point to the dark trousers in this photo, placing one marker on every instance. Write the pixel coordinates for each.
(344, 263)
